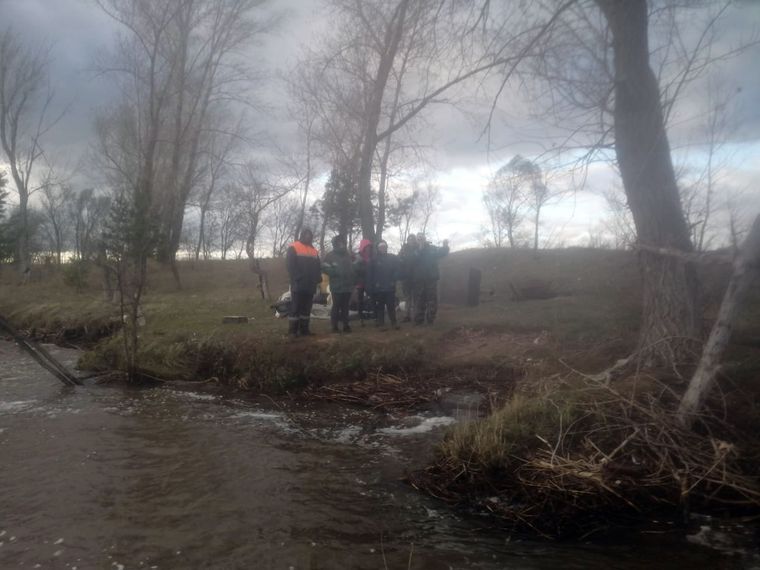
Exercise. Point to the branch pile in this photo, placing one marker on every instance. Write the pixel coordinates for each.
(612, 457)
(380, 391)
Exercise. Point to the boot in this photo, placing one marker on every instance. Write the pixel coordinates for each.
(292, 328)
(304, 323)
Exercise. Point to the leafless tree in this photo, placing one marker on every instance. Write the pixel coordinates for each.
(619, 222)
(58, 224)
(427, 204)
(258, 196)
(612, 86)
(88, 209)
(229, 218)
(745, 273)
(216, 164)
(25, 119)
(284, 215)
(402, 212)
(391, 61)
(182, 59)
(505, 202)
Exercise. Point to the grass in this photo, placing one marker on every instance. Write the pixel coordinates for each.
(524, 349)
(591, 322)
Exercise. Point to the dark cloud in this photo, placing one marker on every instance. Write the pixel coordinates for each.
(453, 134)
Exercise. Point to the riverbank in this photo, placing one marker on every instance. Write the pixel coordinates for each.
(556, 454)
(192, 476)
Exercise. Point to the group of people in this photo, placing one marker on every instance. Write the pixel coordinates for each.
(372, 275)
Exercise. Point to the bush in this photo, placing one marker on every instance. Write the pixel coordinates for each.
(75, 274)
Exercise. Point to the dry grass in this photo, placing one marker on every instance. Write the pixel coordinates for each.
(563, 463)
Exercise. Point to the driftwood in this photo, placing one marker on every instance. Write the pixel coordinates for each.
(231, 319)
(745, 271)
(380, 392)
(611, 456)
(40, 355)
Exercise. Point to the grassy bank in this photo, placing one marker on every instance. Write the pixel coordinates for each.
(184, 337)
(559, 454)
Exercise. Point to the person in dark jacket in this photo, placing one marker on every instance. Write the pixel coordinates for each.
(426, 275)
(305, 274)
(340, 269)
(382, 274)
(407, 258)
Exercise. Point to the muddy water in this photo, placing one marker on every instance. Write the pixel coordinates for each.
(185, 477)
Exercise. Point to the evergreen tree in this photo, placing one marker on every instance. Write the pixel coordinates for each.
(340, 204)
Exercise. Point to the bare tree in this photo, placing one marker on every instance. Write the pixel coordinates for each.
(283, 216)
(401, 213)
(216, 160)
(258, 195)
(612, 86)
(643, 154)
(54, 200)
(619, 222)
(385, 68)
(25, 100)
(228, 217)
(505, 202)
(184, 57)
(745, 272)
(427, 205)
(3, 193)
(700, 197)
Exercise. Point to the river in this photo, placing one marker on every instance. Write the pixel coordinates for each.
(187, 476)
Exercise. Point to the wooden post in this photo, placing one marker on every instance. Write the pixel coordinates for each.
(473, 287)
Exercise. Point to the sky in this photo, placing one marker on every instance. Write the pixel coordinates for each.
(461, 160)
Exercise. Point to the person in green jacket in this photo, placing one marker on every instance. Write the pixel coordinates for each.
(426, 275)
(340, 269)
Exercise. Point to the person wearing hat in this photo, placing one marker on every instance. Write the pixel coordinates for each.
(426, 280)
(305, 272)
(362, 264)
(382, 274)
(407, 258)
(342, 274)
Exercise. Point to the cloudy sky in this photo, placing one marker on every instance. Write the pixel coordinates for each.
(462, 161)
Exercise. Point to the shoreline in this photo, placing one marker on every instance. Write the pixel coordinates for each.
(528, 361)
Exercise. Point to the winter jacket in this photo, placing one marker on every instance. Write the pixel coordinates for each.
(304, 268)
(382, 273)
(426, 268)
(407, 259)
(340, 269)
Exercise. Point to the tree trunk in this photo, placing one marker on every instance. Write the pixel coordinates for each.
(392, 38)
(201, 234)
(23, 257)
(746, 267)
(670, 320)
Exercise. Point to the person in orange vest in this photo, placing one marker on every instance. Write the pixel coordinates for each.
(305, 273)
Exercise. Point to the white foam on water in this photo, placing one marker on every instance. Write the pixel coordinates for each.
(197, 396)
(257, 416)
(347, 434)
(426, 425)
(17, 406)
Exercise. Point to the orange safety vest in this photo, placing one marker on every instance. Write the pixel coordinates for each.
(304, 250)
